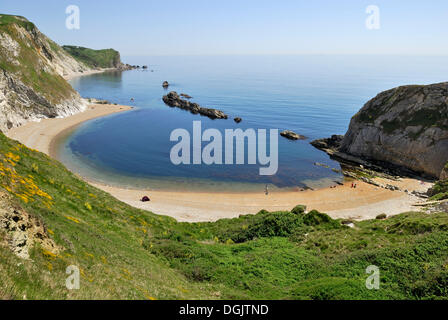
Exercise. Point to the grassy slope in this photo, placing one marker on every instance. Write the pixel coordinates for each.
(106, 58)
(29, 70)
(128, 253)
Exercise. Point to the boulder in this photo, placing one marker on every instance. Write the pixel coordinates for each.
(237, 120)
(165, 84)
(381, 216)
(145, 199)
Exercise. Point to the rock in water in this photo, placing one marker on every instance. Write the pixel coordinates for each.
(406, 126)
(165, 84)
(291, 135)
(237, 120)
(172, 99)
(186, 96)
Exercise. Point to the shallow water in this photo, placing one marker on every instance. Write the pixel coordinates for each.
(313, 95)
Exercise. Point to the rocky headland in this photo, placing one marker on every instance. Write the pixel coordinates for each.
(403, 130)
(32, 72)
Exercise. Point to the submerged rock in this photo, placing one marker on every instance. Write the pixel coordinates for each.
(288, 134)
(172, 99)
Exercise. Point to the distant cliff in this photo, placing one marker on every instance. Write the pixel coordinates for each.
(106, 58)
(406, 126)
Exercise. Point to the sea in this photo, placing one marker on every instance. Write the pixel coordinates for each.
(313, 95)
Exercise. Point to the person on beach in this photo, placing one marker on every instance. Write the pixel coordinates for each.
(266, 190)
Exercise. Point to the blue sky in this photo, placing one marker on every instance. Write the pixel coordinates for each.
(208, 27)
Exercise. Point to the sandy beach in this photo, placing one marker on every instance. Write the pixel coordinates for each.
(364, 202)
(85, 73)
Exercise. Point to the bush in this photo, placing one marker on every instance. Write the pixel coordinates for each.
(315, 218)
(300, 209)
(438, 188)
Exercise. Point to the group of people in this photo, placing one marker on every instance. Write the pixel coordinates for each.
(354, 185)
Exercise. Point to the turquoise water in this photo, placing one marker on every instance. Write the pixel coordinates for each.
(313, 95)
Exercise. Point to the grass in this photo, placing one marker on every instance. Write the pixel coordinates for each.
(6, 19)
(127, 253)
(106, 58)
(439, 191)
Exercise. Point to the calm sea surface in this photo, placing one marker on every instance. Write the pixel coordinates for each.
(313, 95)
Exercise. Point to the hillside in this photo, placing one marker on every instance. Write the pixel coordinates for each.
(106, 58)
(31, 70)
(51, 219)
(405, 126)
(128, 253)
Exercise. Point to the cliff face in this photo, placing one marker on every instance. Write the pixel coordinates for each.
(31, 70)
(406, 126)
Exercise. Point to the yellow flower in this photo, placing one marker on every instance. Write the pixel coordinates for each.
(88, 206)
(72, 219)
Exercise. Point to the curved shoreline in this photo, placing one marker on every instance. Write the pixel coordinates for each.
(364, 202)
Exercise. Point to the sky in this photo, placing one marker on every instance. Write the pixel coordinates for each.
(226, 27)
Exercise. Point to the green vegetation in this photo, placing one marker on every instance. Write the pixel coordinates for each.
(439, 191)
(27, 65)
(430, 117)
(6, 19)
(107, 58)
(124, 252)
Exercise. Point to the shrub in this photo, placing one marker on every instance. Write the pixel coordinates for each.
(299, 209)
(315, 218)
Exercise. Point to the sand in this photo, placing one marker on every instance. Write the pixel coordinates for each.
(364, 202)
(86, 73)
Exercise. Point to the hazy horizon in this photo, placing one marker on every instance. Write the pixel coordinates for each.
(145, 28)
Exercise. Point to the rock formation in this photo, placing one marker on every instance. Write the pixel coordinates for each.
(405, 127)
(288, 134)
(186, 96)
(22, 229)
(172, 99)
(444, 174)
